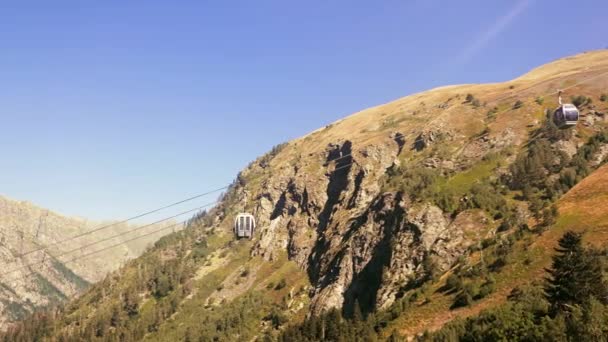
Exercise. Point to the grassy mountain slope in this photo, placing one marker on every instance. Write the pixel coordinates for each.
(375, 215)
(582, 209)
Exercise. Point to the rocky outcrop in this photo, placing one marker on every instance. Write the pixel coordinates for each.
(359, 246)
(427, 138)
(600, 156)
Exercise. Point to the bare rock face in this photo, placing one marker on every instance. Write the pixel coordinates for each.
(486, 143)
(589, 120)
(600, 156)
(358, 245)
(504, 139)
(427, 138)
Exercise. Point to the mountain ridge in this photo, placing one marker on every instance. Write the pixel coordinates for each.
(33, 277)
(370, 216)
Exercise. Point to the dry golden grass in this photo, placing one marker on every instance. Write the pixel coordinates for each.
(420, 112)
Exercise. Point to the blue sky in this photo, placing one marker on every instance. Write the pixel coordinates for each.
(109, 108)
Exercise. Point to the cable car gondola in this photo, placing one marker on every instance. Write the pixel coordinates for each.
(244, 226)
(566, 115)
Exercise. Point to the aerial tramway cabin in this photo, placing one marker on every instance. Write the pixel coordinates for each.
(566, 115)
(244, 226)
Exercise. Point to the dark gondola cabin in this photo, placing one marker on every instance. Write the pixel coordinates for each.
(244, 226)
(566, 115)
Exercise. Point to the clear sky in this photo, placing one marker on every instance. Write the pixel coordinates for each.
(109, 108)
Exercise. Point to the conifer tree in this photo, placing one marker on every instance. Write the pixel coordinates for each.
(575, 275)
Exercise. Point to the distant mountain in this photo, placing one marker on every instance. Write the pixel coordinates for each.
(395, 220)
(40, 279)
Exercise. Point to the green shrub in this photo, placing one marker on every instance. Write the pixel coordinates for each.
(162, 286)
(549, 216)
(453, 282)
(485, 196)
(604, 97)
(487, 242)
(472, 100)
(486, 288)
(498, 264)
(463, 298)
(277, 318)
(492, 113)
(416, 182)
(282, 283)
(431, 268)
(199, 252)
(539, 100)
(518, 104)
(580, 100)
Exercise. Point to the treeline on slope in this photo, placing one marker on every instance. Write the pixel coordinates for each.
(424, 184)
(571, 305)
(469, 282)
(544, 173)
(331, 326)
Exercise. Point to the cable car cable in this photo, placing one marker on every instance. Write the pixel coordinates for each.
(64, 253)
(124, 221)
(2, 280)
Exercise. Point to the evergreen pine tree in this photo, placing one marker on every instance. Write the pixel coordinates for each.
(575, 275)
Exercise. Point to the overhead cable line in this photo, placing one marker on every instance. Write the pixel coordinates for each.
(2, 275)
(64, 253)
(74, 237)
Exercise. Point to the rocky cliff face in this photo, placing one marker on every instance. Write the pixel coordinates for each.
(357, 243)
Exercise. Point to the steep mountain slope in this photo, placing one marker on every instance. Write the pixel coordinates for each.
(40, 279)
(582, 210)
(370, 215)
(345, 220)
